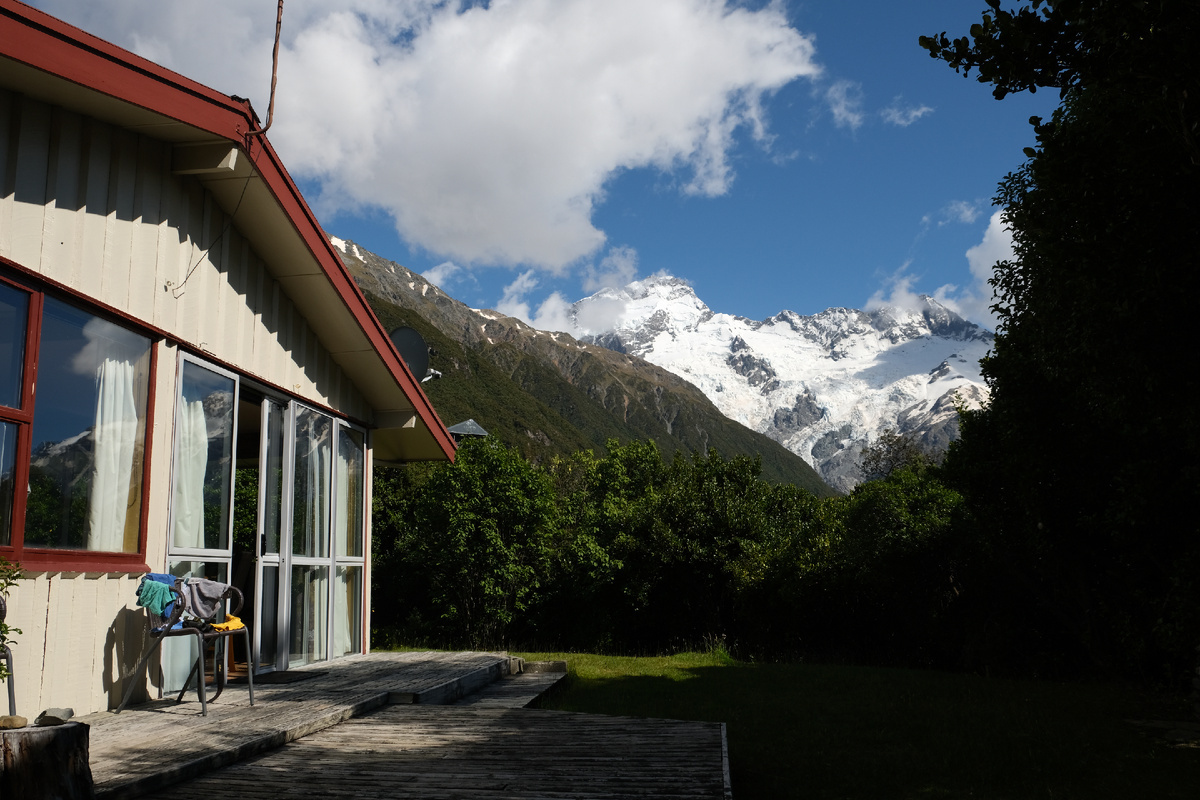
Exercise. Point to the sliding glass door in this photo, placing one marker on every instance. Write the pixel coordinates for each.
(269, 494)
(202, 496)
(326, 556)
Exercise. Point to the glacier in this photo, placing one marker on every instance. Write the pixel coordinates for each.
(824, 386)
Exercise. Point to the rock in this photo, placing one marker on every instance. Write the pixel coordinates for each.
(9, 723)
(53, 716)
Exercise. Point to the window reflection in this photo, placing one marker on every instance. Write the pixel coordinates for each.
(8, 465)
(310, 523)
(14, 313)
(351, 465)
(85, 487)
(347, 611)
(203, 459)
(310, 610)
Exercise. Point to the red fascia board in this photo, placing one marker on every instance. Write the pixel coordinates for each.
(51, 45)
(288, 194)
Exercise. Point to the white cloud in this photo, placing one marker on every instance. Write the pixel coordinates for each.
(897, 291)
(959, 211)
(997, 245)
(488, 132)
(600, 314)
(513, 301)
(441, 274)
(899, 114)
(845, 101)
(618, 268)
(553, 314)
(973, 302)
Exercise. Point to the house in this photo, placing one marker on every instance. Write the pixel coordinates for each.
(190, 382)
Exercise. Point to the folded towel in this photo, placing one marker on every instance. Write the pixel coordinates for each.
(231, 623)
(155, 596)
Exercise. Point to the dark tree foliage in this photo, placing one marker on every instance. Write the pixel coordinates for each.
(464, 552)
(892, 452)
(625, 553)
(1082, 471)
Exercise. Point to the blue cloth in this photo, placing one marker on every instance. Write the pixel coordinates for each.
(162, 577)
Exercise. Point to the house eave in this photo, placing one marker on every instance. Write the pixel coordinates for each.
(216, 142)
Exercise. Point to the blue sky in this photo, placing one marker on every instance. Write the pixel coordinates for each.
(523, 153)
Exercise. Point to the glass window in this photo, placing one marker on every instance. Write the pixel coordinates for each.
(310, 604)
(86, 463)
(203, 459)
(268, 634)
(14, 318)
(310, 499)
(347, 610)
(8, 476)
(272, 485)
(348, 520)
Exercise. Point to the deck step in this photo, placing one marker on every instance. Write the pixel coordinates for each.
(513, 691)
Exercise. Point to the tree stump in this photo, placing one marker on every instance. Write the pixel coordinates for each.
(49, 762)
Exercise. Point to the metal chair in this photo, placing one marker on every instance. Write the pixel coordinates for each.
(162, 628)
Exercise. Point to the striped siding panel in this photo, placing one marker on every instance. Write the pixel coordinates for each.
(94, 634)
(29, 183)
(96, 208)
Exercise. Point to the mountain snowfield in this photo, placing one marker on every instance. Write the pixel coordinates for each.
(824, 386)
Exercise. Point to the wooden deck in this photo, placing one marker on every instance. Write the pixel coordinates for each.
(155, 745)
(372, 726)
(434, 752)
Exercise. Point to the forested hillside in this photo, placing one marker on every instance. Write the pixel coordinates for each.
(1059, 537)
(547, 394)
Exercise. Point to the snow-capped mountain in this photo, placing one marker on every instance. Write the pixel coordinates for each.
(548, 394)
(824, 385)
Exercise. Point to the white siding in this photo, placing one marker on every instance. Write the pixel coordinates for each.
(79, 631)
(97, 209)
(82, 631)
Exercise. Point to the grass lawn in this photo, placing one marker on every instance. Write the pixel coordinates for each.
(858, 732)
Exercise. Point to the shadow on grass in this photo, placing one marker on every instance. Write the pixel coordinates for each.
(857, 732)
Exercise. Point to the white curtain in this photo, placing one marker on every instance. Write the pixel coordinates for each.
(344, 589)
(320, 601)
(313, 528)
(192, 445)
(114, 439)
(341, 517)
(347, 520)
(310, 613)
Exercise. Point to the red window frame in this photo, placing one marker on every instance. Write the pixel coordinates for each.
(42, 559)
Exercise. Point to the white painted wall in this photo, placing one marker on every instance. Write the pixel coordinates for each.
(96, 208)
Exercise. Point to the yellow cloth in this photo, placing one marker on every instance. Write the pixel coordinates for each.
(231, 623)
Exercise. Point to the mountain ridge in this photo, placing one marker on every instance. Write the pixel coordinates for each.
(824, 385)
(548, 393)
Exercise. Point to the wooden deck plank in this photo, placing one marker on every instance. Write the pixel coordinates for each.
(456, 751)
(157, 744)
(335, 735)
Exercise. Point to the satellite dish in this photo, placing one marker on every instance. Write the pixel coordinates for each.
(412, 348)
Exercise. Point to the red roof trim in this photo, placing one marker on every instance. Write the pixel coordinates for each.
(38, 40)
